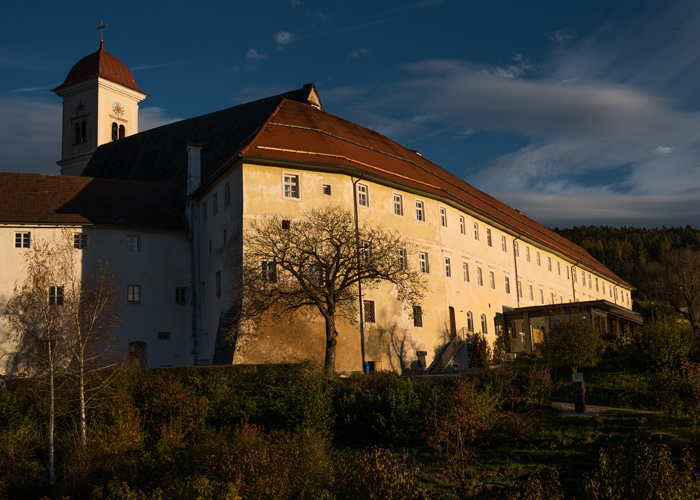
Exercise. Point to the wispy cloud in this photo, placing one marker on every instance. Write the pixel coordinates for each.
(141, 67)
(255, 55)
(357, 54)
(153, 117)
(416, 5)
(283, 38)
(325, 16)
(33, 89)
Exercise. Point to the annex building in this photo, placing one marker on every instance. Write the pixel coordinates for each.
(168, 209)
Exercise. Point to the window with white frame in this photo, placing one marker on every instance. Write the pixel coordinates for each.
(268, 271)
(590, 285)
(423, 263)
(417, 316)
(492, 280)
(549, 263)
(531, 294)
(603, 286)
(504, 244)
(291, 186)
(519, 287)
(541, 296)
(327, 189)
(527, 253)
(368, 310)
(133, 243)
(420, 211)
(363, 195)
(516, 248)
(227, 194)
(479, 277)
(476, 231)
(484, 325)
(470, 322)
(56, 295)
(443, 216)
(23, 240)
(80, 240)
(537, 258)
(488, 237)
(448, 267)
(507, 284)
(465, 271)
(462, 227)
(398, 204)
(402, 258)
(133, 293)
(551, 297)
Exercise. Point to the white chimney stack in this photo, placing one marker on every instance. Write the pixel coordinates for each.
(194, 167)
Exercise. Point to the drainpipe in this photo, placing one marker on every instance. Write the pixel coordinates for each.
(515, 264)
(194, 177)
(357, 257)
(573, 281)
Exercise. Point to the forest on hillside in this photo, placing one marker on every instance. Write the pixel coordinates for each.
(627, 250)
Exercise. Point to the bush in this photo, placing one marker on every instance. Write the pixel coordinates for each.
(643, 472)
(660, 343)
(479, 352)
(539, 386)
(571, 341)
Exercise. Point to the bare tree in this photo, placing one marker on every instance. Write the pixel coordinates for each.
(62, 324)
(675, 282)
(318, 262)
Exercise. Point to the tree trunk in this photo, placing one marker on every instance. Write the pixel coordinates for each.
(52, 478)
(331, 341)
(83, 415)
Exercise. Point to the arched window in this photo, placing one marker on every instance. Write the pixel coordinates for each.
(77, 133)
(484, 324)
(83, 134)
(122, 131)
(470, 322)
(115, 131)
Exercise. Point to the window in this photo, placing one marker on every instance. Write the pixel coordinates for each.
(363, 195)
(596, 285)
(163, 335)
(420, 211)
(368, 306)
(268, 271)
(423, 263)
(470, 322)
(492, 280)
(204, 212)
(573, 273)
(56, 295)
(462, 228)
(227, 194)
(549, 263)
(133, 293)
(589, 281)
(504, 246)
(122, 131)
(291, 186)
(398, 204)
(479, 277)
(417, 316)
(530, 294)
(527, 254)
(476, 231)
(516, 249)
(603, 286)
(484, 325)
(115, 131)
(443, 217)
(488, 237)
(180, 295)
(507, 284)
(402, 258)
(465, 271)
(133, 243)
(519, 287)
(327, 189)
(80, 240)
(22, 240)
(448, 267)
(215, 204)
(558, 268)
(541, 296)
(551, 297)
(537, 255)
(567, 272)
(218, 284)
(583, 278)
(365, 250)
(285, 224)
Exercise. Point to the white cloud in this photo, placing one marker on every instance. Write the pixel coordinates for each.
(661, 150)
(154, 117)
(283, 38)
(358, 54)
(255, 55)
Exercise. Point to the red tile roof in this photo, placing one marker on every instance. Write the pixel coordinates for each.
(104, 65)
(301, 133)
(65, 200)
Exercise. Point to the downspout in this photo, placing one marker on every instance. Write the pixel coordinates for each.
(515, 264)
(357, 257)
(194, 177)
(573, 281)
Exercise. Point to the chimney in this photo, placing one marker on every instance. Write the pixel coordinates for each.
(194, 167)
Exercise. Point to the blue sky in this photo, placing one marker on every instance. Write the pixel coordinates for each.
(572, 112)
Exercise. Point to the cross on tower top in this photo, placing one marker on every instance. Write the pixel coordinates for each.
(101, 28)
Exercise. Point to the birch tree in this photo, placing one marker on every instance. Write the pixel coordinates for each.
(317, 262)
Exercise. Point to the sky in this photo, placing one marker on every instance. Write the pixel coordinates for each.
(575, 113)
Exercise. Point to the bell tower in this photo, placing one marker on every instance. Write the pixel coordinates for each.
(100, 104)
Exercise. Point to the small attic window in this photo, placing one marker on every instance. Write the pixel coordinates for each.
(327, 189)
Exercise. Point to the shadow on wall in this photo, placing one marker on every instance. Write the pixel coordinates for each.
(394, 344)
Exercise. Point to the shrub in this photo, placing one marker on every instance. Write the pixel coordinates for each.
(542, 484)
(645, 471)
(571, 341)
(538, 386)
(479, 352)
(660, 343)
